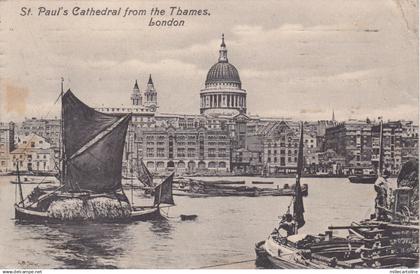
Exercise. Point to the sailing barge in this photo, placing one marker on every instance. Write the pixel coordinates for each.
(390, 239)
(90, 179)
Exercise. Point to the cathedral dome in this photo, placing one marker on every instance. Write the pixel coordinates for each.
(223, 72)
(223, 93)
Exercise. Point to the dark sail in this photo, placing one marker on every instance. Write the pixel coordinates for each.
(97, 166)
(298, 208)
(163, 192)
(143, 174)
(81, 123)
(93, 146)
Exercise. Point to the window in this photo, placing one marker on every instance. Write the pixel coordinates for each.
(150, 152)
(160, 152)
(191, 152)
(212, 152)
(181, 152)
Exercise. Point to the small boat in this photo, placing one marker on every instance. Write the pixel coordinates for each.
(188, 217)
(262, 183)
(290, 190)
(250, 192)
(222, 182)
(363, 179)
(33, 181)
(90, 178)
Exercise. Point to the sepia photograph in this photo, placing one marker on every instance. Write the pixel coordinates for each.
(179, 134)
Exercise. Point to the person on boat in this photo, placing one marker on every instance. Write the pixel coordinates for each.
(287, 224)
(381, 200)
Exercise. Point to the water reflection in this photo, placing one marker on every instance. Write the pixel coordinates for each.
(83, 245)
(91, 245)
(162, 228)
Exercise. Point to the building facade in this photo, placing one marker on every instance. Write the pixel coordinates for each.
(280, 148)
(50, 129)
(7, 132)
(353, 141)
(185, 150)
(391, 146)
(33, 153)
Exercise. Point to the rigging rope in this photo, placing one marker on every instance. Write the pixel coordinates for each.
(225, 264)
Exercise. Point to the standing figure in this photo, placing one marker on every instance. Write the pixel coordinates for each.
(381, 200)
(287, 224)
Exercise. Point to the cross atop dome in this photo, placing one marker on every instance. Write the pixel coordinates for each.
(223, 50)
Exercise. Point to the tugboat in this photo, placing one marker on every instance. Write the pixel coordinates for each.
(90, 177)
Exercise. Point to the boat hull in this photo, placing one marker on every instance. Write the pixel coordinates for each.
(266, 260)
(363, 179)
(284, 264)
(33, 216)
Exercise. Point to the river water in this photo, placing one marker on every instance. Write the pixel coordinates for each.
(224, 232)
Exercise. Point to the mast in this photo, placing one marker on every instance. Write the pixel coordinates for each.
(62, 147)
(19, 183)
(298, 208)
(380, 161)
(130, 146)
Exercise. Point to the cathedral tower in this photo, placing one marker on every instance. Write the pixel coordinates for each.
(136, 98)
(150, 94)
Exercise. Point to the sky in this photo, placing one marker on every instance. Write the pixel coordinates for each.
(297, 59)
